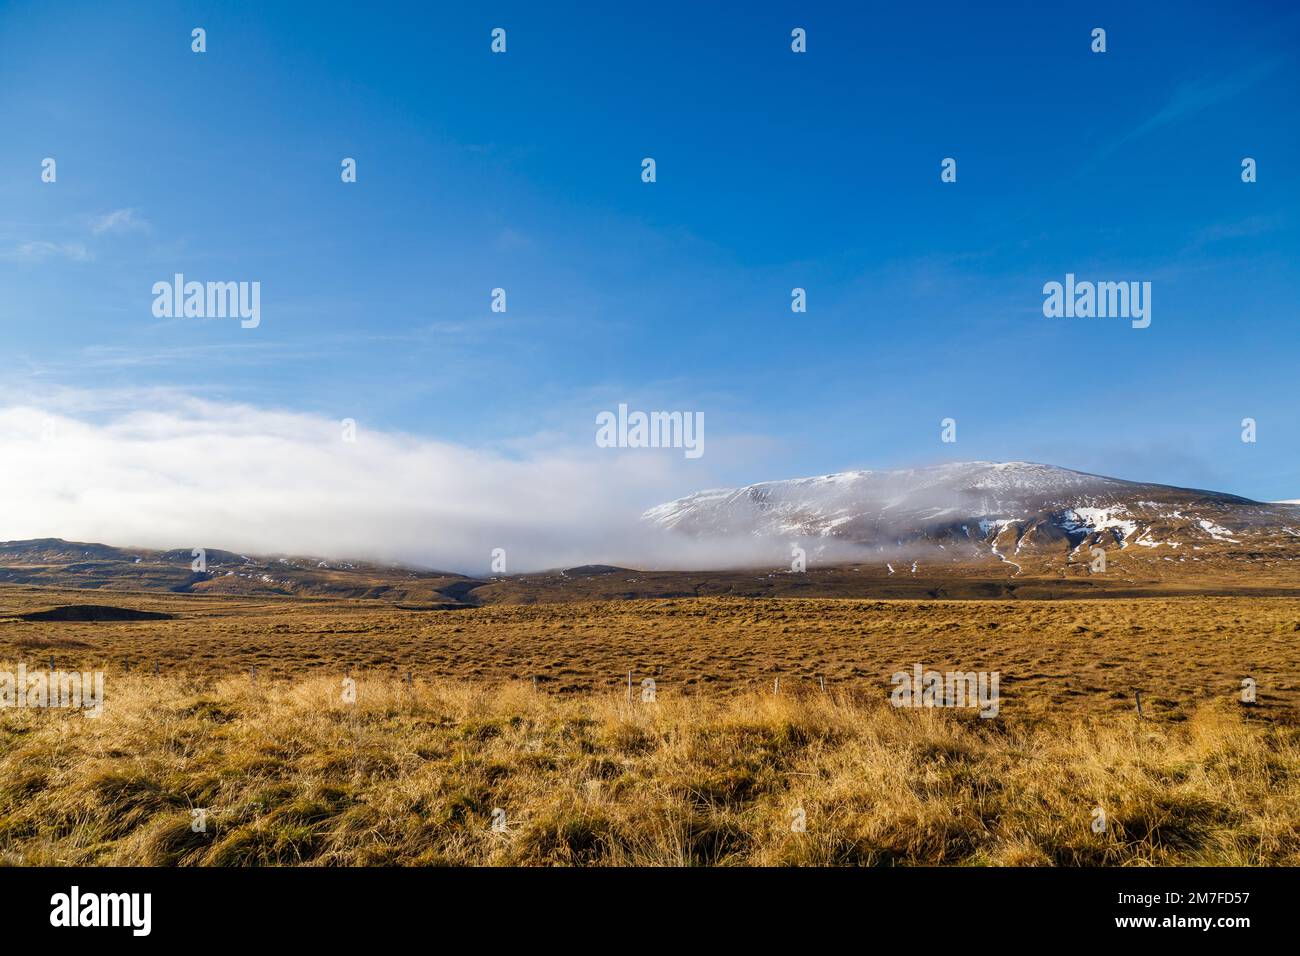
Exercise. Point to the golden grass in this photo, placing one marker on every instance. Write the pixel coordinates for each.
(291, 773)
(1079, 657)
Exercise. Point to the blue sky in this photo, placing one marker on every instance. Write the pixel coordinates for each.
(775, 170)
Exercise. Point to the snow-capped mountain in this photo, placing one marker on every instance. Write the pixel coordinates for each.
(1005, 507)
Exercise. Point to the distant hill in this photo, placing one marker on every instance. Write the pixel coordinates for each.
(970, 530)
(53, 562)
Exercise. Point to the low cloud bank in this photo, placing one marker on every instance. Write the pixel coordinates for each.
(190, 473)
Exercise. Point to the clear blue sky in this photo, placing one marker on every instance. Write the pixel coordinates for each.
(775, 170)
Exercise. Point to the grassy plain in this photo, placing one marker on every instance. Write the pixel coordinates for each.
(287, 770)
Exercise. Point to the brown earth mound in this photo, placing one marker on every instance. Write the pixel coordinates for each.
(95, 612)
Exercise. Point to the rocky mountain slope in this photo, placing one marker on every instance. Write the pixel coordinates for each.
(983, 509)
(53, 562)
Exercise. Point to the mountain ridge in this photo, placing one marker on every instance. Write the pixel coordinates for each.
(59, 563)
(967, 529)
(996, 506)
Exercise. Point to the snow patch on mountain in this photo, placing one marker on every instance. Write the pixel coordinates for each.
(1006, 507)
(1113, 519)
(1217, 532)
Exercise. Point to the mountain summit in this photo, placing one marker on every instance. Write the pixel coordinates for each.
(994, 507)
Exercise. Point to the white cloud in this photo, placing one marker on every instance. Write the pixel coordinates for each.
(169, 471)
(119, 220)
(37, 250)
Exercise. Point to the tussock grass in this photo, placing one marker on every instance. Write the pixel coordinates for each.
(1071, 655)
(289, 773)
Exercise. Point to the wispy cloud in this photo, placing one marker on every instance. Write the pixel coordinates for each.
(237, 354)
(1250, 227)
(1201, 94)
(1195, 96)
(510, 239)
(119, 220)
(39, 250)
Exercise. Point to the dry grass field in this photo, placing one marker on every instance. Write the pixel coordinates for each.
(1076, 656)
(290, 773)
(287, 770)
